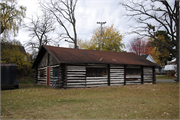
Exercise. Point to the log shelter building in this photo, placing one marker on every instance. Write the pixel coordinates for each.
(74, 68)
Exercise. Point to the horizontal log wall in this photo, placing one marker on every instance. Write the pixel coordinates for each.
(62, 77)
(72, 76)
(148, 74)
(51, 76)
(97, 81)
(133, 79)
(116, 75)
(50, 61)
(75, 76)
(41, 80)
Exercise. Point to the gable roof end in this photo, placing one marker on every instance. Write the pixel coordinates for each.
(40, 55)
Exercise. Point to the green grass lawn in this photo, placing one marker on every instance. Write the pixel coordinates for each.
(148, 101)
(164, 77)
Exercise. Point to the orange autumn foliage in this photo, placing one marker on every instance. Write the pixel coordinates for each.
(148, 49)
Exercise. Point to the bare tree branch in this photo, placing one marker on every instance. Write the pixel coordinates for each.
(40, 28)
(166, 18)
(153, 16)
(63, 10)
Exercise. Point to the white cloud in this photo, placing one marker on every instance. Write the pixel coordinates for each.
(89, 12)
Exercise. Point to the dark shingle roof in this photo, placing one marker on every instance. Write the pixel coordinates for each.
(78, 56)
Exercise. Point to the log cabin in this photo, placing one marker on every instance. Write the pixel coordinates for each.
(75, 68)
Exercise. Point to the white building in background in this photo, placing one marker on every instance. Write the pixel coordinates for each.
(171, 65)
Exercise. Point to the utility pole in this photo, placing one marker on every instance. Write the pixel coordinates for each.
(101, 34)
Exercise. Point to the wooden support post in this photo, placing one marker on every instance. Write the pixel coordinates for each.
(36, 75)
(154, 75)
(65, 69)
(85, 78)
(62, 78)
(142, 75)
(109, 83)
(63, 75)
(47, 76)
(59, 77)
(124, 74)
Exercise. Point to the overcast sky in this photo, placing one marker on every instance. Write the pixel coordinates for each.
(87, 13)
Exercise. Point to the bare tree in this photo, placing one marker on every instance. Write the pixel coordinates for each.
(40, 28)
(155, 15)
(64, 12)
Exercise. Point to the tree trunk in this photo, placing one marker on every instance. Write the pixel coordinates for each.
(178, 23)
(75, 44)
